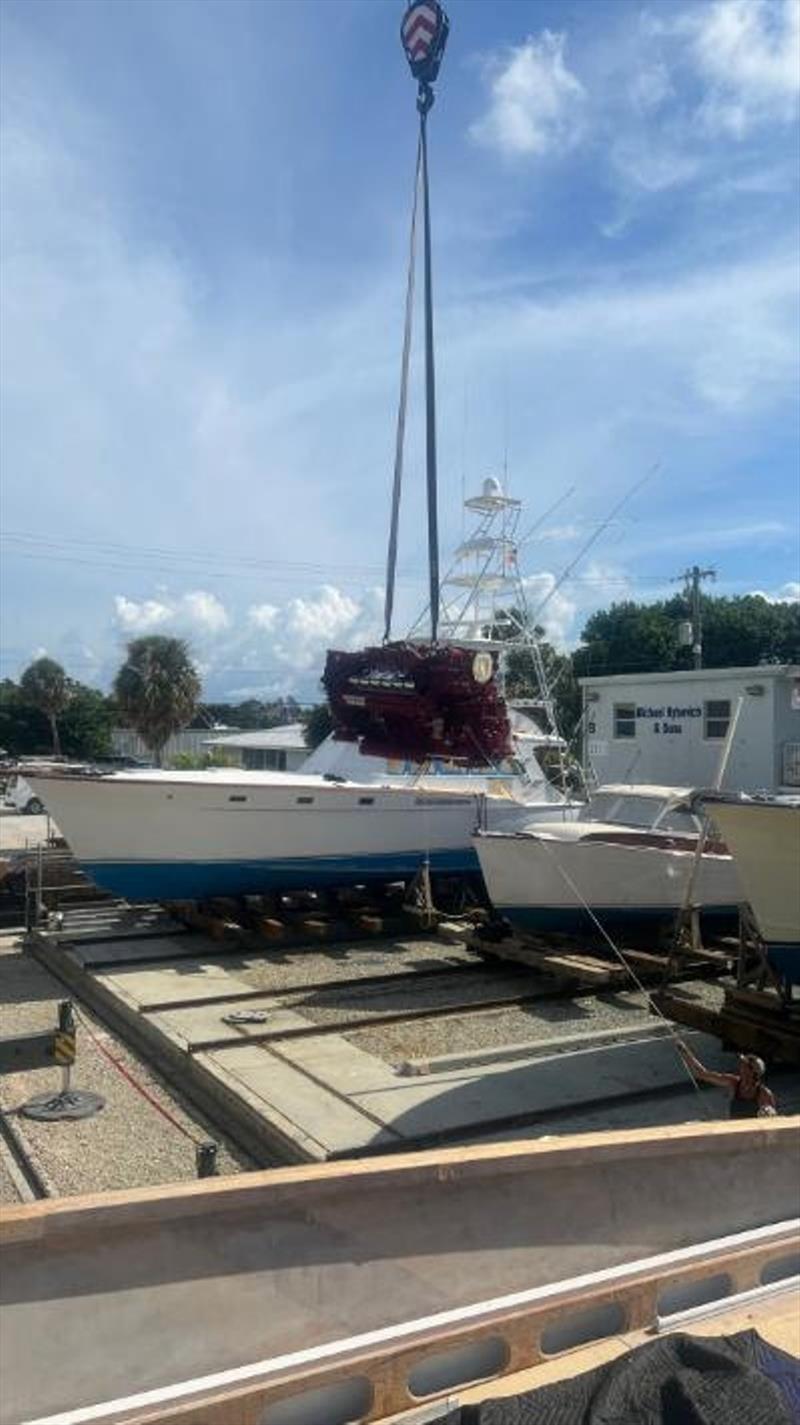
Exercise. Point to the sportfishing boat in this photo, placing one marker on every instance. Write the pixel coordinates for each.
(763, 835)
(157, 835)
(627, 856)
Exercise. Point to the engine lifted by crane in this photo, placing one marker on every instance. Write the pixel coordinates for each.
(419, 701)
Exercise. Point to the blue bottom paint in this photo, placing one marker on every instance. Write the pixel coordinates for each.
(193, 880)
(785, 960)
(573, 919)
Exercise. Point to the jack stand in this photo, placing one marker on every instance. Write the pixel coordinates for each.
(68, 1102)
(419, 901)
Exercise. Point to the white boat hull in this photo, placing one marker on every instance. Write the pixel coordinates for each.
(184, 836)
(542, 883)
(764, 839)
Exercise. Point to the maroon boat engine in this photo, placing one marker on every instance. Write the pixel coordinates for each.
(419, 701)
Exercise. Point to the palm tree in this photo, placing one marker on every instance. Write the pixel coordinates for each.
(157, 689)
(46, 686)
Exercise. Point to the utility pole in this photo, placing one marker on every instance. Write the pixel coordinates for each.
(692, 579)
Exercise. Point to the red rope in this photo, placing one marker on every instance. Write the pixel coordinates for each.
(126, 1074)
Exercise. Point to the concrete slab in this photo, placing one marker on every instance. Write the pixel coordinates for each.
(203, 1026)
(174, 984)
(466, 1098)
(334, 1061)
(316, 1121)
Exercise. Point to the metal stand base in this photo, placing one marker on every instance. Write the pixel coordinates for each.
(70, 1103)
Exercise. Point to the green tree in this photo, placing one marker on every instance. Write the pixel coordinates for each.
(157, 689)
(319, 724)
(86, 725)
(45, 685)
(737, 632)
(23, 728)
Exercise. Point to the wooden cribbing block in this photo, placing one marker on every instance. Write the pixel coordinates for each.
(272, 929)
(370, 924)
(315, 926)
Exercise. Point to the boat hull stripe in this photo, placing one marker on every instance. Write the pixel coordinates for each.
(191, 880)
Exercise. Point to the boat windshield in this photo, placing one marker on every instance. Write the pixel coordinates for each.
(628, 809)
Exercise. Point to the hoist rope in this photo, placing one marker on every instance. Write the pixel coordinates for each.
(652, 1005)
(391, 560)
(424, 103)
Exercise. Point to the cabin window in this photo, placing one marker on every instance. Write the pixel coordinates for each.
(237, 799)
(716, 719)
(305, 801)
(366, 801)
(624, 719)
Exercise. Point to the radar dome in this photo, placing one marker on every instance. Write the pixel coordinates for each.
(492, 487)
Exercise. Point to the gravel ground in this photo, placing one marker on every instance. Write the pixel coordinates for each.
(330, 1007)
(8, 1192)
(519, 1024)
(273, 969)
(129, 1143)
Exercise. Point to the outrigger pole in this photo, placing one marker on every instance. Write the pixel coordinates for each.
(424, 34)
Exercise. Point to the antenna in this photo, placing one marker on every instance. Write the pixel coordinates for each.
(595, 535)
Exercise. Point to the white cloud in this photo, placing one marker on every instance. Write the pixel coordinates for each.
(197, 612)
(749, 52)
(309, 626)
(203, 611)
(789, 593)
(140, 617)
(650, 87)
(263, 616)
(536, 103)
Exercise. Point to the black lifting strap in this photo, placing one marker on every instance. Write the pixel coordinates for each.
(391, 562)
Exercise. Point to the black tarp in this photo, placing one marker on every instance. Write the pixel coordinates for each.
(675, 1380)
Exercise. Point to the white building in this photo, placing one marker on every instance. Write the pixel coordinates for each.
(274, 749)
(127, 743)
(670, 728)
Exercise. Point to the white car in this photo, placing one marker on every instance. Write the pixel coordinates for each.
(21, 796)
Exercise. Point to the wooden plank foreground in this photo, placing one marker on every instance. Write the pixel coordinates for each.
(144, 1291)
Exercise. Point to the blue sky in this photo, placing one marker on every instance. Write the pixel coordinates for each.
(205, 207)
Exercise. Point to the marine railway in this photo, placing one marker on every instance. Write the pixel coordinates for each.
(312, 1027)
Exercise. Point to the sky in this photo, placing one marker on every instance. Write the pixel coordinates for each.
(205, 209)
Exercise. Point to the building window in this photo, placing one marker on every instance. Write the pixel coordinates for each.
(624, 719)
(716, 719)
(791, 764)
(263, 759)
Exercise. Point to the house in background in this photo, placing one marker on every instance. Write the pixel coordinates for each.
(190, 740)
(272, 749)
